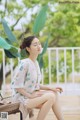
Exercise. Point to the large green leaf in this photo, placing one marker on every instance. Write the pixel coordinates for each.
(41, 63)
(45, 47)
(40, 57)
(12, 52)
(4, 44)
(8, 41)
(9, 54)
(40, 20)
(23, 54)
(8, 32)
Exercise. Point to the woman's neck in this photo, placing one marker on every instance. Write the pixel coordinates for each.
(33, 58)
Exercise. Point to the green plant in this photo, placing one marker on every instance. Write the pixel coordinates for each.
(8, 44)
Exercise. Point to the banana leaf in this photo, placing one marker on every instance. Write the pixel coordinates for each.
(10, 50)
(44, 50)
(40, 20)
(23, 54)
(41, 63)
(8, 32)
(40, 57)
(4, 44)
(8, 41)
(12, 53)
(45, 47)
(9, 54)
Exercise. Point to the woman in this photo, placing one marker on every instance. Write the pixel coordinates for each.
(27, 85)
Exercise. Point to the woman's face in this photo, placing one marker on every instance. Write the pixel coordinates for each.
(35, 47)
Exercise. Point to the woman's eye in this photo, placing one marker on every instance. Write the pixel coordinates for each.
(37, 44)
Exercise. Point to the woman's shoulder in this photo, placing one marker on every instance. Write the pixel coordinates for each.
(24, 61)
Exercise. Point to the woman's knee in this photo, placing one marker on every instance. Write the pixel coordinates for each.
(51, 96)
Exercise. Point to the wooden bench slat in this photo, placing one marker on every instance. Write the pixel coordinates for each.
(11, 108)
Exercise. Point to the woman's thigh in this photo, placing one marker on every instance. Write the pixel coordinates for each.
(39, 101)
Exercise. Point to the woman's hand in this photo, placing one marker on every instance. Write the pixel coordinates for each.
(57, 89)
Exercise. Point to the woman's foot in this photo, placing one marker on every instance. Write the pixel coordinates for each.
(31, 115)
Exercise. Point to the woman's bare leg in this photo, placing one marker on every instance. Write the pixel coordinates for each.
(57, 108)
(47, 100)
(45, 109)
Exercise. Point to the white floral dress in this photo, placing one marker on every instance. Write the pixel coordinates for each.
(28, 76)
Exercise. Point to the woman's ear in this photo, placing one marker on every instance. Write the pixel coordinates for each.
(28, 49)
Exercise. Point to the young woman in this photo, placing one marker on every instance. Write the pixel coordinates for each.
(27, 85)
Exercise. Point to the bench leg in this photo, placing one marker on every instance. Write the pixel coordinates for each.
(21, 116)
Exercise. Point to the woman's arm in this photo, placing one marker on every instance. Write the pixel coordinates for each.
(28, 95)
(57, 89)
(44, 87)
(23, 92)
